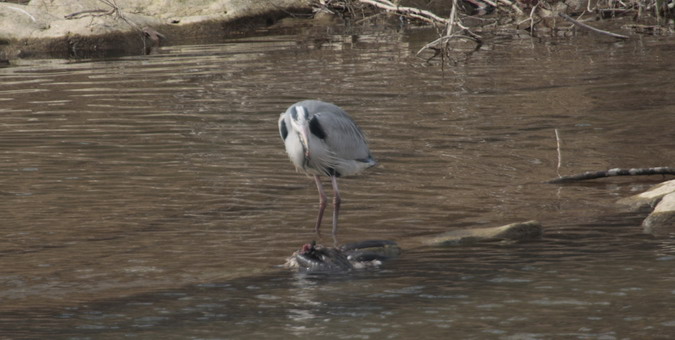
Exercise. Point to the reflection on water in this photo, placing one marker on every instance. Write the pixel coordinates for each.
(151, 196)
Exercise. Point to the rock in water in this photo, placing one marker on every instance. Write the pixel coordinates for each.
(649, 198)
(520, 231)
(662, 220)
(316, 258)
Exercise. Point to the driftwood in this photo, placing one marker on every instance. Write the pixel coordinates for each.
(614, 172)
(662, 170)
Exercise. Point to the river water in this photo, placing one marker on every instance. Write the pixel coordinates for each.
(150, 196)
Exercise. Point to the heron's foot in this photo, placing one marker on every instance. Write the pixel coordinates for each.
(314, 257)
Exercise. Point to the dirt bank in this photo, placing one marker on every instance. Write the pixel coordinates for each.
(91, 28)
(84, 28)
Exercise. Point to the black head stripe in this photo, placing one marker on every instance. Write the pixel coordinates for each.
(283, 130)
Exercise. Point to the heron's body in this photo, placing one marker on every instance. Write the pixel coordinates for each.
(321, 139)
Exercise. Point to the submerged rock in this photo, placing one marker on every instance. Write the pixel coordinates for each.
(316, 258)
(520, 231)
(662, 220)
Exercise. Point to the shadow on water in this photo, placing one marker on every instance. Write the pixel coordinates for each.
(151, 197)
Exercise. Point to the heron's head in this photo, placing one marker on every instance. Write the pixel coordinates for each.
(300, 123)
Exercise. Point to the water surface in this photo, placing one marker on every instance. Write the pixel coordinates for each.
(150, 196)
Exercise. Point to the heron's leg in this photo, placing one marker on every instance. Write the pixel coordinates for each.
(323, 200)
(336, 206)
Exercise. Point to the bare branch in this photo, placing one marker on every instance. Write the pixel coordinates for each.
(596, 30)
(614, 172)
(451, 20)
(89, 12)
(407, 11)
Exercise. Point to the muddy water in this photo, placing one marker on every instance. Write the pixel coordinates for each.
(150, 197)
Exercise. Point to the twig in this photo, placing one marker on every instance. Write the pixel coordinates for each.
(432, 45)
(22, 11)
(89, 12)
(368, 18)
(452, 21)
(490, 2)
(513, 6)
(596, 30)
(412, 12)
(614, 172)
(534, 8)
(557, 140)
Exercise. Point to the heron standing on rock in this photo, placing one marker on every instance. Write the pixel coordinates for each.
(321, 139)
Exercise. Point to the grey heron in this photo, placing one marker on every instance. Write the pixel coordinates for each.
(321, 139)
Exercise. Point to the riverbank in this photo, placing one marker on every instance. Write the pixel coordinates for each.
(99, 28)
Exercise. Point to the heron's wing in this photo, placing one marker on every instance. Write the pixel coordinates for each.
(342, 136)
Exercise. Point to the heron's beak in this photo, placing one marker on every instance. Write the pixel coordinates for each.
(304, 139)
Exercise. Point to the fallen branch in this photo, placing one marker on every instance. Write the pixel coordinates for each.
(614, 172)
(596, 30)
